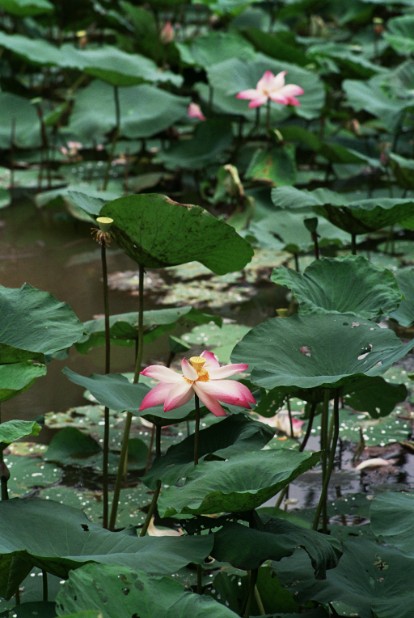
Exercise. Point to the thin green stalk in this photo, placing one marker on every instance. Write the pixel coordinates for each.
(128, 420)
(330, 466)
(290, 416)
(268, 115)
(309, 428)
(251, 593)
(353, 244)
(45, 586)
(4, 473)
(105, 453)
(259, 601)
(199, 579)
(114, 139)
(321, 508)
(196, 430)
(154, 500)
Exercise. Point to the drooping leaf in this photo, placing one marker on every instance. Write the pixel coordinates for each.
(351, 214)
(247, 548)
(187, 233)
(126, 592)
(231, 436)
(399, 34)
(34, 321)
(17, 377)
(374, 395)
(234, 485)
(317, 350)
(10, 431)
(20, 123)
(345, 285)
(61, 538)
(276, 166)
(25, 8)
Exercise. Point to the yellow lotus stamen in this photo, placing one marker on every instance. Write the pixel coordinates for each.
(198, 363)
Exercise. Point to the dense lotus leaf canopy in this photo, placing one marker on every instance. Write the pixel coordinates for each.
(344, 285)
(317, 350)
(60, 538)
(156, 232)
(350, 213)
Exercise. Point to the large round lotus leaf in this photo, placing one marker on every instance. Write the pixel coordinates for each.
(35, 321)
(357, 216)
(35, 51)
(392, 520)
(24, 8)
(125, 593)
(155, 231)
(18, 118)
(344, 285)
(235, 74)
(58, 538)
(317, 350)
(16, 377)
(241, 483)
(371, 579)
(216, 47)
(122, 69)
(373, 98)
(400, 34)
(404, 315)
(144, 111)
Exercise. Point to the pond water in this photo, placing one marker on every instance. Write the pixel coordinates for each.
(54, 253)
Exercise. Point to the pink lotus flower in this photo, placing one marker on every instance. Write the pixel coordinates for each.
(202, 376)
(272, 87)
(194, 111)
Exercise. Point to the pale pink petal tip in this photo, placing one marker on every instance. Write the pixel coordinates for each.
(194, 111)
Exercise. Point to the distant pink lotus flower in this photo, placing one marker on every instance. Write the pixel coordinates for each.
(194, 111)
(272, 87)
(202, 376)
(167, 33)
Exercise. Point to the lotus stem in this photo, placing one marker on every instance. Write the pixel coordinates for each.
(251, 593)
(290, 416)
(321, 508)
(308, 428)
(45, 586)
(105, 461)
(4, 473)
(138, 362)
(330, 467)
(353, 244)
(114, 139)
(196, 430)
(268, 115)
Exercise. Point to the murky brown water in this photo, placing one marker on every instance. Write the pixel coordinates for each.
(53, 253)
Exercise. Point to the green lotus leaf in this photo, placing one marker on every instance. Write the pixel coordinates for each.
(357, 216)
(399, 34)
(247, 548)
(231, 436)
(125, 592)
(382, 588)
(60, 538)
(373, 395)
(276, 165)
(19, 119)
(404, 315)
(16, 377)
(156, 232)
(234, 485)
(34, 321)
(233, 75)
(392, 520)
(211, 139)
(119, 68)
(215, 47)
(10, 431)
(24, 8)
(117, 393)
(372, 97)
(343, 285)
(317, 350)
(144, 111)
(123, 327)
